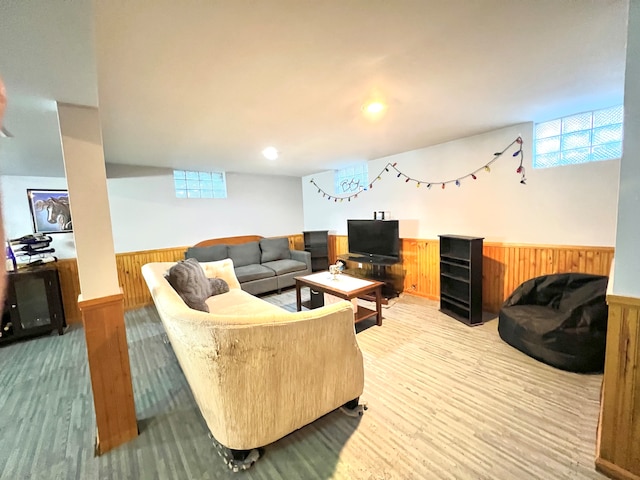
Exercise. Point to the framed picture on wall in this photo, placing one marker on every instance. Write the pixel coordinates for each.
(50, 212)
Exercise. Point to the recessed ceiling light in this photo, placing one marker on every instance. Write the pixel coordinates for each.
(4, 133)
(270, 153)
(374, 108)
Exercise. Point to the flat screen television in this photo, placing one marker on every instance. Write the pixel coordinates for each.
(374, 238)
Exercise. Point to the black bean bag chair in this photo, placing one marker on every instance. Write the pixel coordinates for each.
(559, 319)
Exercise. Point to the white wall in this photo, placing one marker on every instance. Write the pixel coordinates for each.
(572, 205)
(145, 214)
(17, 216)
(627, 267)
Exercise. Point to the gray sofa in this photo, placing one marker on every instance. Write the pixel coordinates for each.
(261, 266)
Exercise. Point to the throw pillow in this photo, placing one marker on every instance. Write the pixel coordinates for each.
(222, 269)
(218, 286)
(274, 249)
(188, 279)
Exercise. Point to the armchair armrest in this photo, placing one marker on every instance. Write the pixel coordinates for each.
(301, 256)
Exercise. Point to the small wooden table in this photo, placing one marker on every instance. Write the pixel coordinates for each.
(346, 287)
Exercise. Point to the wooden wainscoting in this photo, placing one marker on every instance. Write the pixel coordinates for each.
(130, 278)
(419, 268)
(505, 266)
(617, 453)
(296, 242)
(136, 293)
(109, 366)
(70, 287)
(129, 264)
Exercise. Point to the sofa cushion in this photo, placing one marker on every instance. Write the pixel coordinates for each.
(207, 254)
(274, 249)
(218, 286)
(239, 304)
(285, 266)
(244, 254)
(188, 279)
(248, 273)
(222, 269)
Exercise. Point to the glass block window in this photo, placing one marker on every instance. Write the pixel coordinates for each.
(190, 184)
(351, 179)
(585, 137)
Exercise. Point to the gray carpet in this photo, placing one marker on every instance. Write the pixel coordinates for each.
(446, 401)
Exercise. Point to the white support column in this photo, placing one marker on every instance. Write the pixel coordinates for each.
(627, 266)
(101, 300)
(86, 179)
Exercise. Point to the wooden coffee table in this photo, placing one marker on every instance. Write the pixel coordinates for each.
(346, 287)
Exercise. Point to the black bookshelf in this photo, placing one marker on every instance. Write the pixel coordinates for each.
(461, 278)
(316, 242)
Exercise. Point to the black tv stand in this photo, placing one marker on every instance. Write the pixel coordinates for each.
(372, 259)
(375, 268)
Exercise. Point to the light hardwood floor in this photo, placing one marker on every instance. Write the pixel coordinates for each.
(446, 401)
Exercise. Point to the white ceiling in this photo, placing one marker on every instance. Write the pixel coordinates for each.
(207, 85)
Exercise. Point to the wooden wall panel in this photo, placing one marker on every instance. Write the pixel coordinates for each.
(505, 266)
(418, 267)
(130, 279)
(129, 267)
(70, 287)
(337, 246)
(421, 267)
(136, 293)
(108, 355)
(296, 242)
(617, 453)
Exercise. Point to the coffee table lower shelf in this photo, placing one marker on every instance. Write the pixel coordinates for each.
(364, 313)
(322, 283)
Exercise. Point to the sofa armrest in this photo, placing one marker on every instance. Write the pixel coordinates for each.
(301, 256)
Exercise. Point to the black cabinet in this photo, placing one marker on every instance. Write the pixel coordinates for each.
(33, 304)
(461, 278)
(317, 243)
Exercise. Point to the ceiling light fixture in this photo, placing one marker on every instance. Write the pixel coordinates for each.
(270, 153)
(374, 108)
(4, 133)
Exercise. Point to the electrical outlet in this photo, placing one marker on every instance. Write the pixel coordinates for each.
(359, 265)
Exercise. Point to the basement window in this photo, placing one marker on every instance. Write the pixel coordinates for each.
(190, 184)
(351, 180)
(585, 137)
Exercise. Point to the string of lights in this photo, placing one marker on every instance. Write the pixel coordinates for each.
(429, 184)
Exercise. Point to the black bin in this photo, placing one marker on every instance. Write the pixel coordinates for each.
(317, 299)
